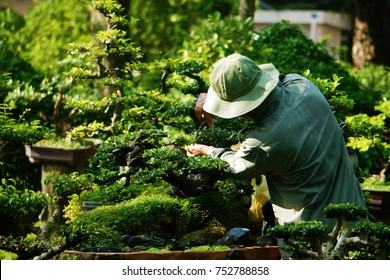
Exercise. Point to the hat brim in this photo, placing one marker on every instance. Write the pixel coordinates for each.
(246, 103)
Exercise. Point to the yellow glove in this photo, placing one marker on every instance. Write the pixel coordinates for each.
(260, 193)
(259, 196)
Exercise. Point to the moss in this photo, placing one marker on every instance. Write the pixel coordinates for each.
(101, 235)
(159, 213)
(146, 214)
(209, 248)
(373, 183)
(4, 255)
(64, 143)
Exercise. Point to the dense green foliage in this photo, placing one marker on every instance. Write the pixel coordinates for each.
(48, 29)
(216, 37)
(160, 26)
(131, 82)
(348, 211)
(19, 208)
(19, 129)
(12, 62)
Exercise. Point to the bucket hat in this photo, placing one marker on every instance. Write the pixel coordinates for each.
(238, 85)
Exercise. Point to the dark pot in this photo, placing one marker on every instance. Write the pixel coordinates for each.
(37, 154)
(379, 205)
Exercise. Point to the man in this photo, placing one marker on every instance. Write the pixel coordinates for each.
(297, 142)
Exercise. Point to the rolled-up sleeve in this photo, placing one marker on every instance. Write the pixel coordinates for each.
(248, 162)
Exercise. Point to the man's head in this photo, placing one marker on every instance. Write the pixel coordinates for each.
(238, 85)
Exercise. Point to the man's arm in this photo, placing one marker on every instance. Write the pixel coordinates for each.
(201, 114)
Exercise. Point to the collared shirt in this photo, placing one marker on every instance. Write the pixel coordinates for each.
(298, 145)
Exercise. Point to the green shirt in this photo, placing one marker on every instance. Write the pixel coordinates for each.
(298, 145)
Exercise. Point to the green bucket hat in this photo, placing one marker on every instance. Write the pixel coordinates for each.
(238, 85)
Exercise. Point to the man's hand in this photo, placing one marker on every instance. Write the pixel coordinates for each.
(202, 115)
(197, 149)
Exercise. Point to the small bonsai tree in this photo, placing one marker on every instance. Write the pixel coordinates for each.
(347, 240)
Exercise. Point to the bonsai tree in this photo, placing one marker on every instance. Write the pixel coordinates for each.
(347, 240)
(139, 127)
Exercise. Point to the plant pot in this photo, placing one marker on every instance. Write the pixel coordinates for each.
(90, 205)
(246, 253)
(56, 161)
(379, 205)
(38, 154)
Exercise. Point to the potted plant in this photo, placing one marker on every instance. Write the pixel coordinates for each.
(378, 198)
(41, 95)
(62, 151)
